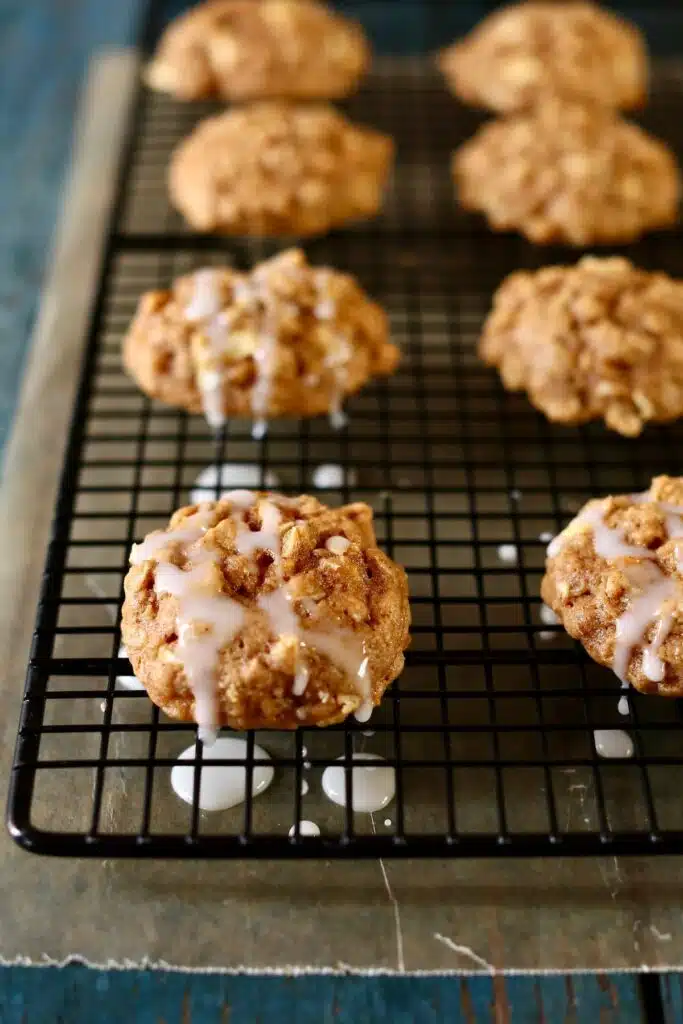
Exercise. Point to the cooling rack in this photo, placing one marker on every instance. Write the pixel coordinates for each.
(490, 729)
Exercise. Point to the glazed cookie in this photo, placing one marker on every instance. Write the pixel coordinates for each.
(279, 169)
(568, 173)
(601, 339)
(265, 612)
(614, 577)
(524, 53)
(286, 340)
(258, 49)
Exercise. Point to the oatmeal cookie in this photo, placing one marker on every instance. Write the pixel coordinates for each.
(568, 173)
(287, 339)
(524, 53)
(259, 49)
(614, 577)
(279, 169)
(265, 612)
(601, 339)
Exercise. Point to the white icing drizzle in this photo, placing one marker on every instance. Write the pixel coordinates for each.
(613, 743)
(373, 786)
(608, 542)
(656, 600)
(338, 360)
(221, 786)
(205, 306)
(548, 616)
(341, 646)
(199, 607)
(337, 545)
(127, 682)
(623, 706)
(206, 300)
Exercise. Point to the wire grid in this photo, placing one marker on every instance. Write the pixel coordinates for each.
(490, 727)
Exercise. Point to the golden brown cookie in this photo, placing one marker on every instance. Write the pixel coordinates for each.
(524, 53)
(601, 339)
(259, 49)
(568, 173)
(287, 339)
(265, 612)
(279, 169)
(614, 577)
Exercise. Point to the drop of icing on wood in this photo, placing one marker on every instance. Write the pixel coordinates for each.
(374, 786)
(306, 828)
(507, 553)
(304, 787)
(331, 476)
(221, 786)
(232, 475)
(611, 743)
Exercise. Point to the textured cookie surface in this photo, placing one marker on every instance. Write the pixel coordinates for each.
(279, 169)
(568, 173)
(259, 611)
(601, 339)
(259, 49)
(614, 577)
(286, 340)
(527, 52)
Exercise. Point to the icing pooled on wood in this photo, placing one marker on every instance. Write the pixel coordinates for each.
(221, 786)
(373, 785)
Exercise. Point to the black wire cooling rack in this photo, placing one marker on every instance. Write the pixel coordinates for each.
(490, 728)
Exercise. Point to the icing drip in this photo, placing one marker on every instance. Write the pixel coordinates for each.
(656, 602)
(205, 306)
(338, 360)
(613, 743)
(206, 301)
(341, 646)
(205, 621)
(306, 828)
(373, 786)
(608, 542)
(222, 786)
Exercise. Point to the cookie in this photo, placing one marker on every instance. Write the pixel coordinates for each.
(286, 340)
(259, 49)
(525, 53)
(614, 578)
(568, 173)
(598, 340)
(279, 169)
(265, 612)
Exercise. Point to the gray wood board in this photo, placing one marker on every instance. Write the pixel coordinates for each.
(436, 916)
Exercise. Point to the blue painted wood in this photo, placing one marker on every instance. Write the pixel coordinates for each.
(78, 996)
(45, 46)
